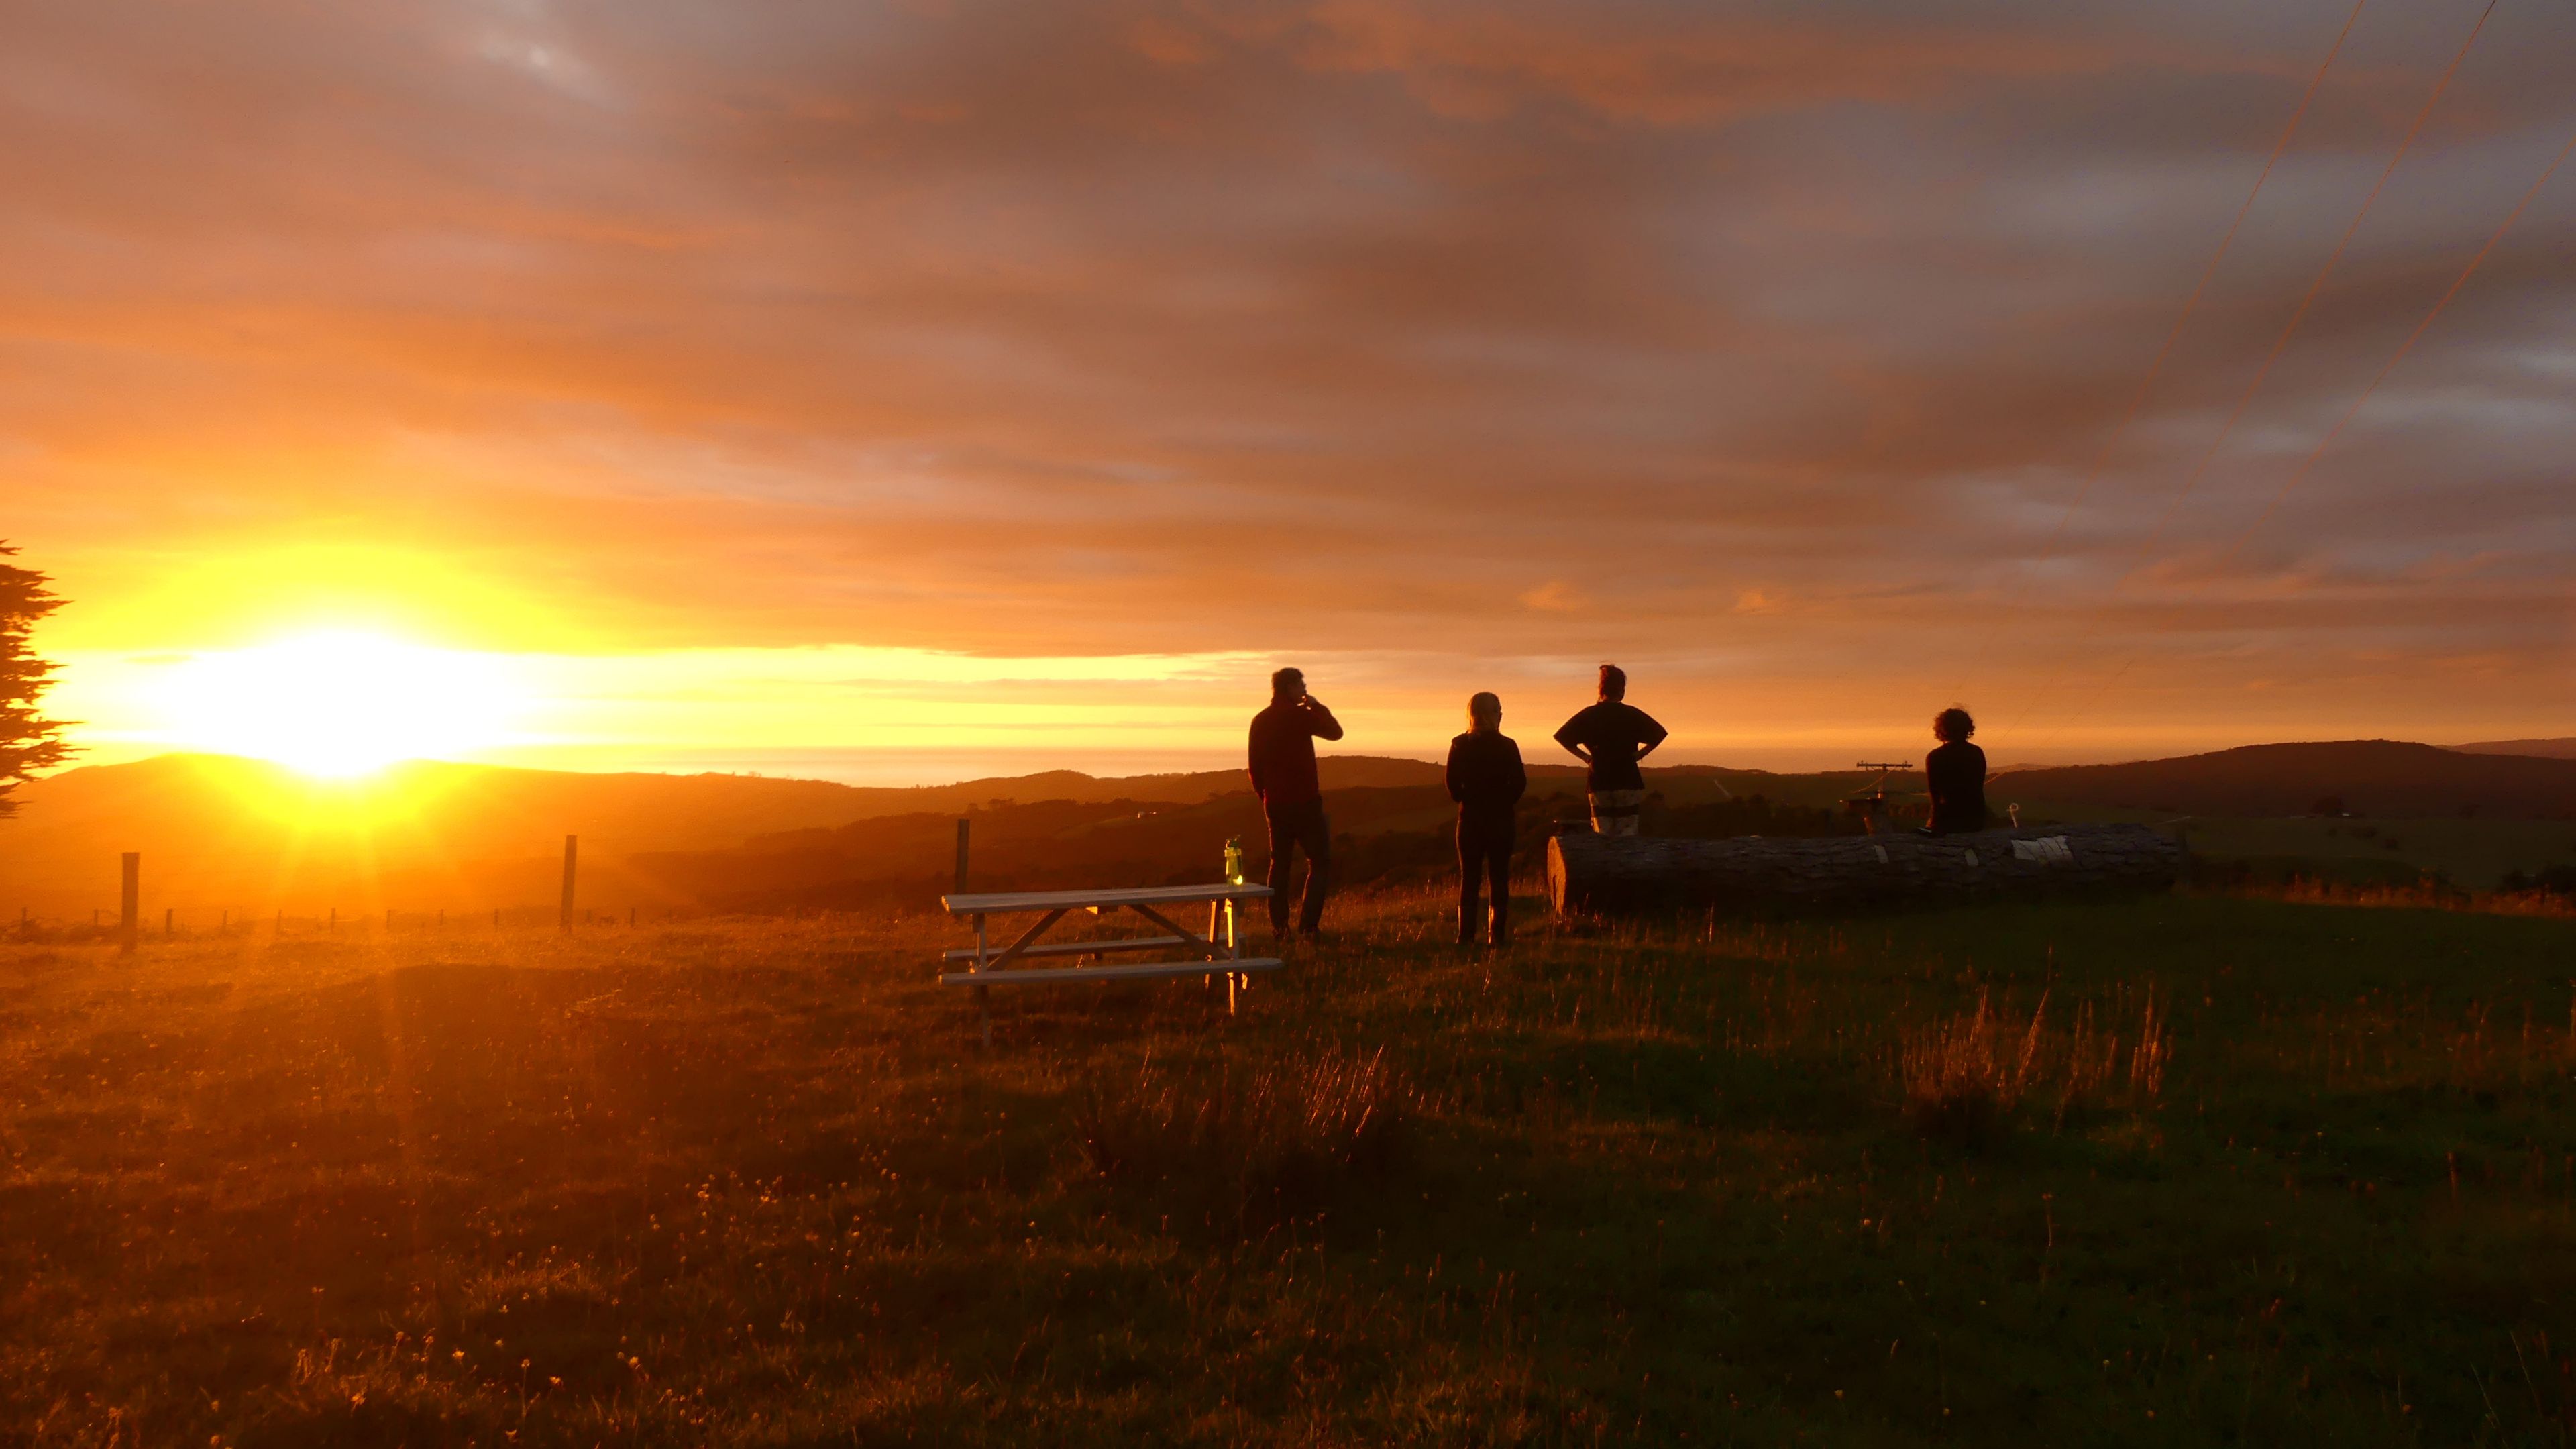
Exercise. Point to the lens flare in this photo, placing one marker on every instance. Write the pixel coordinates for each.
(339, 703)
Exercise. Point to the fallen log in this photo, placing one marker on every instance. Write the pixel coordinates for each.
(1590, 874)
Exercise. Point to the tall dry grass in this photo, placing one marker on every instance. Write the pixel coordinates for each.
(1966, 1077)
(2426, 895)
(1269, 1141)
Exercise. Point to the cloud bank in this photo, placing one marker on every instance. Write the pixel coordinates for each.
(1764, 347)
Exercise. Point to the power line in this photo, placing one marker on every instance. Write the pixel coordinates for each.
(2280, 344)
(2300, 474)
(2155, 370)
(2462, 280)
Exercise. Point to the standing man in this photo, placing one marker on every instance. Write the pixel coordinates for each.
(1610, 738)
(1292, 800)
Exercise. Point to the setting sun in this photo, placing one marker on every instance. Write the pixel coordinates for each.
(339, 703)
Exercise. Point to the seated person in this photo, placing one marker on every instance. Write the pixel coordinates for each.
(1957, 774)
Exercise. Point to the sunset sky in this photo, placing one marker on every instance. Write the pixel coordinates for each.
(911, 391)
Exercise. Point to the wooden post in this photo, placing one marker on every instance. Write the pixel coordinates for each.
(170, 920)
(389, 918)
(630, 915)
(572, 853)
(133, 899)
(334, 925)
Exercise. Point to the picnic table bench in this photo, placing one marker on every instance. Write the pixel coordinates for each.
(1218, 951)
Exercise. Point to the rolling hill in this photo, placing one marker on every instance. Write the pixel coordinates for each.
(2562, 748)
(220, 834)
(2367, 777)
(227, 835)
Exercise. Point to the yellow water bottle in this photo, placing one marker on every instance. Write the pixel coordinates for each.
(1234, 861)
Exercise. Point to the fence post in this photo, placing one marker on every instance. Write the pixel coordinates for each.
(169, 920)
(133, 900)
(572, 853)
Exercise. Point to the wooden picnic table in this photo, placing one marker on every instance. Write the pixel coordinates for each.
(1220, 950)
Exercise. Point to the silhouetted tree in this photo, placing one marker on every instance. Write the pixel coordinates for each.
(29, 742)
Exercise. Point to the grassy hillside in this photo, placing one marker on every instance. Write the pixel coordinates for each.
(2560, 748)
(247, 838)
(1387, 834)
(2172, 1171)
(2363, 777)
(221, 833)
(239, 840)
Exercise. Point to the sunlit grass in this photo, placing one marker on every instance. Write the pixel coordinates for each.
(2262, 1170)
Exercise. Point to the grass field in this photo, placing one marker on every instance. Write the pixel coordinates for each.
(2473, 854)
(2263, 1172)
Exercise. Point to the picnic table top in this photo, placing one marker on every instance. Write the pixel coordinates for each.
(992, 902)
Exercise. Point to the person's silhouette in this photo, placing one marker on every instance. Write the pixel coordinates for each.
(1956, 774)
(1487, 781)
(1292, 798)
(1610, 738)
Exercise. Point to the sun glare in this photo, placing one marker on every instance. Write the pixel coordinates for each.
(340, 704)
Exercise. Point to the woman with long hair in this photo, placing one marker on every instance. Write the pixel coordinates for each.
(1487, 780)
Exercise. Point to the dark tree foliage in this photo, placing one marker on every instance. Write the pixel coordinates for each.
(29, 742)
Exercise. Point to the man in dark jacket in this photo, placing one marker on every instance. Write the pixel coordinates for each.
(1610, 738)
(1956, 774)
(1487, 781)
(1292, 800)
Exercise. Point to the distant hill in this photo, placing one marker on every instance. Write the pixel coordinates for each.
(1381, 833)
(223, 834)
(218, 832)
(2367, 777)
(2562, 748)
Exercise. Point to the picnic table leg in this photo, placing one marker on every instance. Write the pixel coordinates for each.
(1234, 980)
(983, 994)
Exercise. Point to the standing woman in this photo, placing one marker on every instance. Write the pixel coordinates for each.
(1956, 772)
(1487, 781)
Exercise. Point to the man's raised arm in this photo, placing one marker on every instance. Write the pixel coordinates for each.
(1320, 722)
